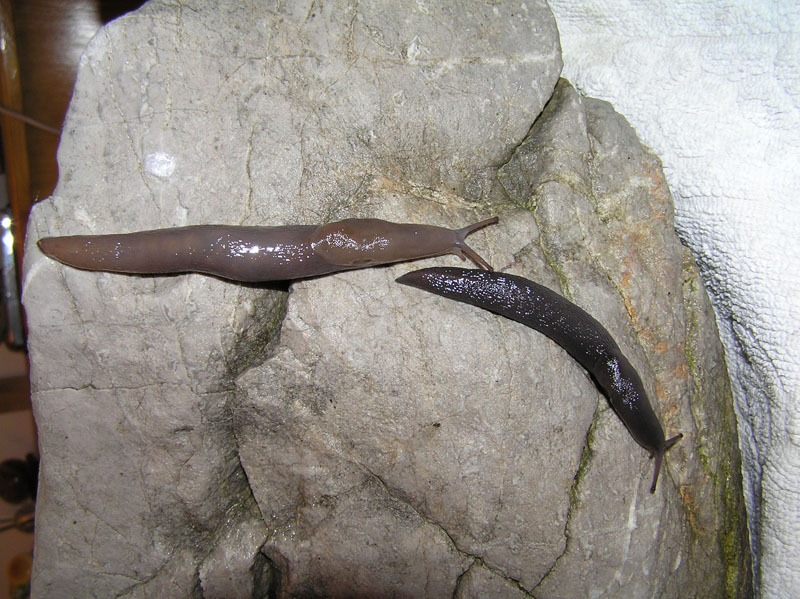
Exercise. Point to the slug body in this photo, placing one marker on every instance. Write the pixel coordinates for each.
(262, 253)
(583, 337)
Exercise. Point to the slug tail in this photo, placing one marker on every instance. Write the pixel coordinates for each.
(64, 249)
(145, 252)
(461, 248)
(46, 246)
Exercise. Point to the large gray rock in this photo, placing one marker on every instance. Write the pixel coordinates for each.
(354, 437)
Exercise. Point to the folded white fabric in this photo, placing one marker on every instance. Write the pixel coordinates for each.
(714, 89)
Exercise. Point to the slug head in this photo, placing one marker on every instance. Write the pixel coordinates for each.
(353, 243)
(626, 394)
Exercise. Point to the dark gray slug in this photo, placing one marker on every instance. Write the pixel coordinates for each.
(256, 254)
(583, 337)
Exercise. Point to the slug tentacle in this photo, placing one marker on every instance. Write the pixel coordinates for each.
(575, 330)
(659, 456)
(461, 248)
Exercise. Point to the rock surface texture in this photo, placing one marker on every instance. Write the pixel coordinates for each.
(713, 88)
(347, 436)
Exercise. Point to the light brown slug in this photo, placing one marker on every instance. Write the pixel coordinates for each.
(256, 254)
